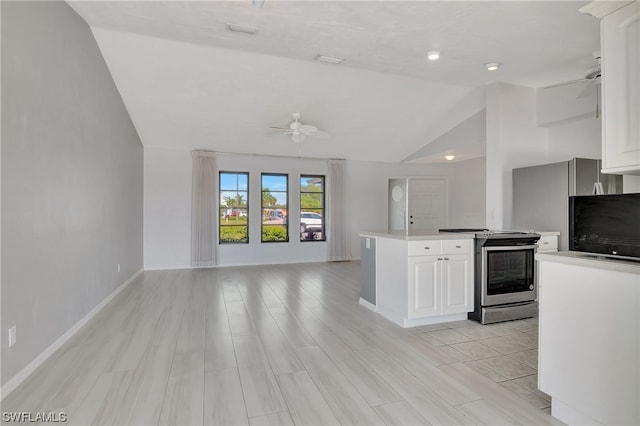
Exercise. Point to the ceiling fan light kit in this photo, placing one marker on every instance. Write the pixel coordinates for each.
(492, 66)
(434, 55)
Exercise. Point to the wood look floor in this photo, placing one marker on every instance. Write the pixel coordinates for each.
(285, 344)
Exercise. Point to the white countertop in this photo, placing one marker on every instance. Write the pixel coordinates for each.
(591, 261)
(418, 235)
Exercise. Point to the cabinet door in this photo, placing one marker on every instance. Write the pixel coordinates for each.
(621, 90)
(457, 284)
(424, 286)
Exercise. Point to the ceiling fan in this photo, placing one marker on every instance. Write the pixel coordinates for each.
(300, 131)
(592, 79)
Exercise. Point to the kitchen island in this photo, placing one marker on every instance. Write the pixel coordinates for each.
(589, 338)
(419, 278)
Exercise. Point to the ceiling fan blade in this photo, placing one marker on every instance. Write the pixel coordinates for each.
(320, 135)
(307, 129)
(278, 128)
(298, 137)
(566, 83)
(589, 88)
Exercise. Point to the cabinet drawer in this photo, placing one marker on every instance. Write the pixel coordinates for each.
(548, 243)
(425, 247)
(457, 246)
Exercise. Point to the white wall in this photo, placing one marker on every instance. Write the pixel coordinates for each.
(167, 210)
(71, 179)
(467, 194)
(515, 140)
(167, 204)
(368, 186)
(578, 139)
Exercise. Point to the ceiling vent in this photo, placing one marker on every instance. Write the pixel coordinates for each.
(241, 29)
(329, 59)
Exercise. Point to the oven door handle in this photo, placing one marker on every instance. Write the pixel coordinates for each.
(511, 248)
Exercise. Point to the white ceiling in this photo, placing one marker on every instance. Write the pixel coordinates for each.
(189, 83)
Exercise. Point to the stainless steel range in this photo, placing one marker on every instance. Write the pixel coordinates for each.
(506, 283)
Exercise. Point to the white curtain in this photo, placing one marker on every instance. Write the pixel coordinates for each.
(204, 210)
(338, 221)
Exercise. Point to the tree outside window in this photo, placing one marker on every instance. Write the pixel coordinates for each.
(234, 207)
(312, 219)
(275, 189)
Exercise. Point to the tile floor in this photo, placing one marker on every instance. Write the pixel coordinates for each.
(506, 353)
(281, 344)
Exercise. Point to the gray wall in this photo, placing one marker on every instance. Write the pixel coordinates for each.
(72, 167)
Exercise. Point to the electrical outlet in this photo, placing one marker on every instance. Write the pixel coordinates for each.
(12, 336)
(118, 267)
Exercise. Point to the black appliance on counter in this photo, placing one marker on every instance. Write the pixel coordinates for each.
(605, 225)
(505, 283)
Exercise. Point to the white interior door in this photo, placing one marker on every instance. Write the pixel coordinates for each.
(427, 204)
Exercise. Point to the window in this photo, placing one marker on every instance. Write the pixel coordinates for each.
(234, 207)
(312, 208)
(275, 207)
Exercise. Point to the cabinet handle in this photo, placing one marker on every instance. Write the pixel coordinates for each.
(427, 248)
(446, 258)
(439, 258)
(458, 246)
(545, 242)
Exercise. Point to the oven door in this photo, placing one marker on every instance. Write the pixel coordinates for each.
(508, 274)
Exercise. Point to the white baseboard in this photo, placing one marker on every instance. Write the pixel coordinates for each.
(166, 268)
(368, 305)
(16, 380)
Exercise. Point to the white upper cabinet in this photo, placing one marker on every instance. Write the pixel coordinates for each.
(620, 49)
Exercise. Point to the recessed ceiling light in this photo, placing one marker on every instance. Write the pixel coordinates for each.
(257, 3)
(449, 157)
(434, 55)
(241, 29)
(330, 59)
(492, 66)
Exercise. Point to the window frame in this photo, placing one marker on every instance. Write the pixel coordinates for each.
(323, 208)
(262, 207)
(237, 190)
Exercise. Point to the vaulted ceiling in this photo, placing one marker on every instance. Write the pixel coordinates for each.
(189, 83)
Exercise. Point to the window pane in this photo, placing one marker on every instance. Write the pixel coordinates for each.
(233, 234)
(311, 200)
(234, 208)
(274, 183)
(312, 221)
(312, 184)
(274, 208)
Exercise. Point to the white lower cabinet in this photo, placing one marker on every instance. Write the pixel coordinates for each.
(424, 281)
(425, 278)
(440, 285)
(457, 284)
(589, 339)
